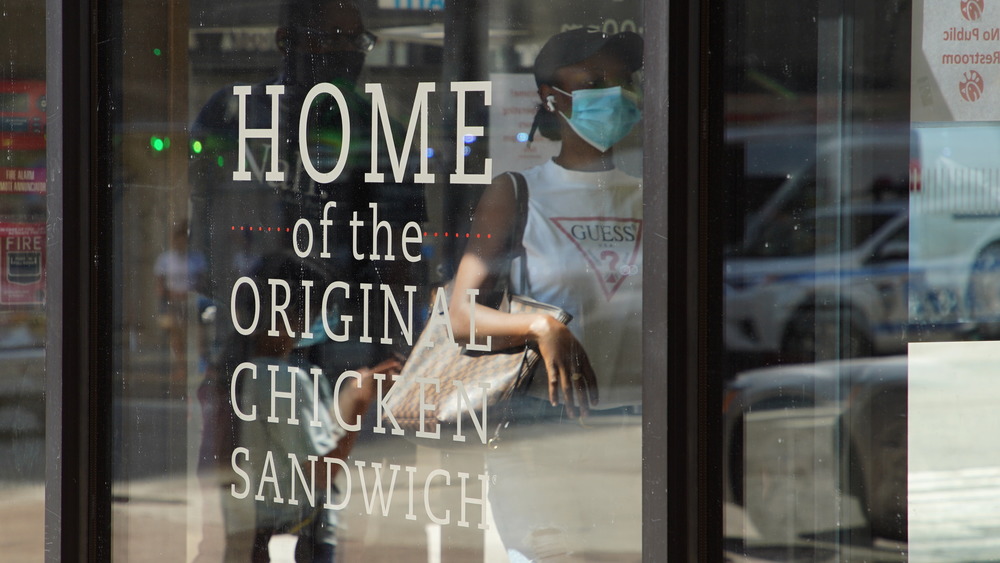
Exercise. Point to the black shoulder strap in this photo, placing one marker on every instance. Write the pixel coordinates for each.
(517, 234)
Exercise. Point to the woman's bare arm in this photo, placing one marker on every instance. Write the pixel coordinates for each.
(485, 259)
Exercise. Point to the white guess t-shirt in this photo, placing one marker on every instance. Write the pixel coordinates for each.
(583, 249)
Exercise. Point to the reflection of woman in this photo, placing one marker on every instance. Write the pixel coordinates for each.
(582, 227)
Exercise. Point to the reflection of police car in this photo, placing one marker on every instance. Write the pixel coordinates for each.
(828, 283)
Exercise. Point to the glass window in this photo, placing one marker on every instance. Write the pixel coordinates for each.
(337, 219)
(860, 280)
(22, 277)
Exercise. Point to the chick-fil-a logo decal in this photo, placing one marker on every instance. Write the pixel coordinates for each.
(972, 10)
(609, 244)
(971, 87)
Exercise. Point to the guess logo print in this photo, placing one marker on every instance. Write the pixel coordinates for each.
(610, 245)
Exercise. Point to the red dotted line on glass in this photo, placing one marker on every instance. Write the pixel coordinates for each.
(426, 233)
(261, 229)
(457, 235)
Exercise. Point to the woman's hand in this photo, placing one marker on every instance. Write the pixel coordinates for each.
(366, 387)
(567, 366)
(354, 401)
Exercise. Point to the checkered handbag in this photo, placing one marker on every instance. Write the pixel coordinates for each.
(445, 388)
(444, 384)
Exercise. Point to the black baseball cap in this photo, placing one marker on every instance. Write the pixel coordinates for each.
(570, 47)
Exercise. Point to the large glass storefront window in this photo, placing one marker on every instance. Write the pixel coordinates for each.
(860, 280)
(22, 277)
(329, 215)
(376, 280)
(821, 283)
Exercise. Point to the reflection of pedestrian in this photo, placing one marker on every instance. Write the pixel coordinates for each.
(319, 41)
(178, 277)
(315, 526)
(271, 445)
(581, 239)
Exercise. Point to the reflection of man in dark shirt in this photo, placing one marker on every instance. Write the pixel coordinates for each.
(321, 41)
(236, 223)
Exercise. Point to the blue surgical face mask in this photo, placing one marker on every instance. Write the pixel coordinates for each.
(602, 116)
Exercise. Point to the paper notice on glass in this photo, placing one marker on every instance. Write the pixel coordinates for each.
(22, 180)
(953, 459)
(22, 263)
(956, 61)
